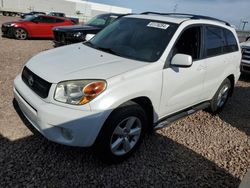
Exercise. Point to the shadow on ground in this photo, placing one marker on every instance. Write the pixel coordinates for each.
(34, 38)
(239, 117)
(34, 161)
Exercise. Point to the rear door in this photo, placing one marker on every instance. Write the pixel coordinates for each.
(49, 23)
(219, 56)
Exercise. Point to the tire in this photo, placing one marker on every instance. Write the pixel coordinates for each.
(221, 97)
(5, 14)
(12, 14)
(122, 133)
(20, 33)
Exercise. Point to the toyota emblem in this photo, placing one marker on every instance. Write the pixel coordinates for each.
(31, 81)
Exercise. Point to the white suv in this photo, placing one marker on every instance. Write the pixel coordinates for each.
(140, 73)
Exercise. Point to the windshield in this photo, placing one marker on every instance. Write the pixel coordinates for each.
(138, 39)
(99, 20)
(29, 18)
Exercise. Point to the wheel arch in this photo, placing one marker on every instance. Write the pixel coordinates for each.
(24, 28)
(146, 105)
(232, 80)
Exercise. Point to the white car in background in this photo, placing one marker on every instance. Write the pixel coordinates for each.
(140, 73)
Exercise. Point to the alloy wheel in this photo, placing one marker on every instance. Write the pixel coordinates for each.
(126, 135)
(223, 95)
(20, 34)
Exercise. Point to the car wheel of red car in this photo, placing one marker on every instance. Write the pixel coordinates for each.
(20, 34)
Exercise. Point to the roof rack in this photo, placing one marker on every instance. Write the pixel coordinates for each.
(191, 16)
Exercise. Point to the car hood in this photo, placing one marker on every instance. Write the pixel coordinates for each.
(79, 61)
(245, 44)
(15, 22)
(76, 28)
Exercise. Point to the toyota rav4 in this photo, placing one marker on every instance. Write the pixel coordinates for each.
(139, 74)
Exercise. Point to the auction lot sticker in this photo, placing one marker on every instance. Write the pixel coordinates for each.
(158, 25)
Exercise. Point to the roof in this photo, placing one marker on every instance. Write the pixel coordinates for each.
(47, 16)
(178, 17)
(159, 18)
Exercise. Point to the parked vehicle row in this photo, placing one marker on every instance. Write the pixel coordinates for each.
(57, 14)
(38, 26)
(139, 73)
(58, 28)
(73, 34)
(24, 15)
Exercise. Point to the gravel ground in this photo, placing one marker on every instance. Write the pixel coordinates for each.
(198, 151)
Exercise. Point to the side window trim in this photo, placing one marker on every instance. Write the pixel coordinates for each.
(169, 57)
(225, 39)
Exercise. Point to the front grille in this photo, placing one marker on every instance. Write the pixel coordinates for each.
(40, 86)
(59, 36)
(246, 55)
(246, 68)
(7, 30)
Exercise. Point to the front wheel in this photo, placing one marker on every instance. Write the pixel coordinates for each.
(20, 34)
(221, 97)
(122, 133)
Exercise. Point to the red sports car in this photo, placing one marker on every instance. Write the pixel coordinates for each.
(39, 26)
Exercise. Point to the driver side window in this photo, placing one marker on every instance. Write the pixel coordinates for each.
(189, 43)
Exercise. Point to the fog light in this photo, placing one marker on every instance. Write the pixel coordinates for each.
(66, 134)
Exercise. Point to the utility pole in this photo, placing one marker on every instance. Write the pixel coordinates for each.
(175, 8)
(244, 24)
(240, 24)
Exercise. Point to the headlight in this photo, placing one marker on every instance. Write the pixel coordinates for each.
(79, 92)
(78, 34)
(10, 25)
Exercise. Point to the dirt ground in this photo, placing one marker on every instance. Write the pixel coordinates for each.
(198, 151)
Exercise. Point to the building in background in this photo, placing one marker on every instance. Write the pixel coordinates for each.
(84, 10)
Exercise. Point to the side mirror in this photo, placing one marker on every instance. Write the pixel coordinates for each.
(182, 60)
(89, 37)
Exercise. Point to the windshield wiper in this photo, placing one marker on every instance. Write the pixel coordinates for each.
(108, 50)
(88, 43)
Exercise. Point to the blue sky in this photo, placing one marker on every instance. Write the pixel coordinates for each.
(230, 10)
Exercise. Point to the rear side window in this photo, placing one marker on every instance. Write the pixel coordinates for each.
(49, 20)
(58, 20)
(44, 19)
(231, 45)
(214, 41)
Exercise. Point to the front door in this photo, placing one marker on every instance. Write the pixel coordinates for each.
(183, 87)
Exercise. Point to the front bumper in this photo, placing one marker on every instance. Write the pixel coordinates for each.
(58, 123)
(7, 31)
(64, 38)
(245, 67)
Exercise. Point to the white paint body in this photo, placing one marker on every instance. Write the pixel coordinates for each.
(169, 90)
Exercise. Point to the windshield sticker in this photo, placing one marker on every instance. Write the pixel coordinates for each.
(158, 25)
